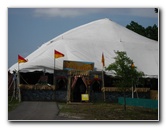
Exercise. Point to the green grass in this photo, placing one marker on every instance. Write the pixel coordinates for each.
(107, 111)
(12, 104)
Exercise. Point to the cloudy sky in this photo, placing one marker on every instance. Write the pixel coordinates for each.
(29, 28)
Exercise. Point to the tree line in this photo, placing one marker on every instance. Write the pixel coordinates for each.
(149, 32)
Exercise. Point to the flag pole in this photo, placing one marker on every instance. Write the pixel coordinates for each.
(103, 83)
(20, 60)
(18, 83)
(57, 54)
(54, 73)
(103, 64)
(54, 77)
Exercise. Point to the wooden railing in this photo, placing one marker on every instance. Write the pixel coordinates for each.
(37, 87)
(116, 89)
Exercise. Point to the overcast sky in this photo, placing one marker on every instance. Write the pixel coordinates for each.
(29, 28)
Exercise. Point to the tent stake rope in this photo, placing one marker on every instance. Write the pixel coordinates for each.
(10, 85)
(14, 88)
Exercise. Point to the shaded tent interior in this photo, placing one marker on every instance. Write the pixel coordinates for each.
(38, 77)
(96, 85)
(91, 86)
(79, 87)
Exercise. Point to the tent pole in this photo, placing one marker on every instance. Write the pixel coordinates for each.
(14, 87)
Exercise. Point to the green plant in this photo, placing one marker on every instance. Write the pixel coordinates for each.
(126, 71)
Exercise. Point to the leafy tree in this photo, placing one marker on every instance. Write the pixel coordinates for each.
(149, 32)
(134, 26)
(124, 68)
(152, 32)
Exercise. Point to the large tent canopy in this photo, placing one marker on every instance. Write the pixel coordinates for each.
(88, 42)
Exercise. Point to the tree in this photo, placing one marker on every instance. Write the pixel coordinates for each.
(134, 26)
(149, 32)
(152, 32)
(126, 71)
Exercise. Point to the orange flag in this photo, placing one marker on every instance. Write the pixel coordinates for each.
(57, 54)
(103, 60)
(132, 65)
(21, 59)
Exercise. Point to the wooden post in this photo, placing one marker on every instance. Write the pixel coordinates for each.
(103, 85)
(69, 90)
(132, 89)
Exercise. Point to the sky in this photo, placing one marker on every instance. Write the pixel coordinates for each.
(29, 28)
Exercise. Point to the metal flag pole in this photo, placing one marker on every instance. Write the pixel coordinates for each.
(54, 73)
(103, 62)
(18, 83)
(57, 54)
(54, 84)
(103, 83)
(20, 60)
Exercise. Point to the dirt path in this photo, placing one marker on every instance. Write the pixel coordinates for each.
(36, 111)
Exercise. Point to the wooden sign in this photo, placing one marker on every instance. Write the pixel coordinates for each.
(78, 65)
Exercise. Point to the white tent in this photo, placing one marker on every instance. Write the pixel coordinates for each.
(88, 42)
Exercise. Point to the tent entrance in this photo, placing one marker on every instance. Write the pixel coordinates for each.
(78, 84)
(61, 83)
(96, 85)
(79, 87)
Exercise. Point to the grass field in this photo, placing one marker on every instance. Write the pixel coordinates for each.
(107, 111)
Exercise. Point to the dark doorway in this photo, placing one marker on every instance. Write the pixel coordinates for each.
(78, 89)
(96, 86)
(61, 84)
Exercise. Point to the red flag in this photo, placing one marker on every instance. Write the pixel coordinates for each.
(103, 60)
(58, 54)
(21, 59)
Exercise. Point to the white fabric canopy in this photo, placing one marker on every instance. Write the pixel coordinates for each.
(88, 42)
